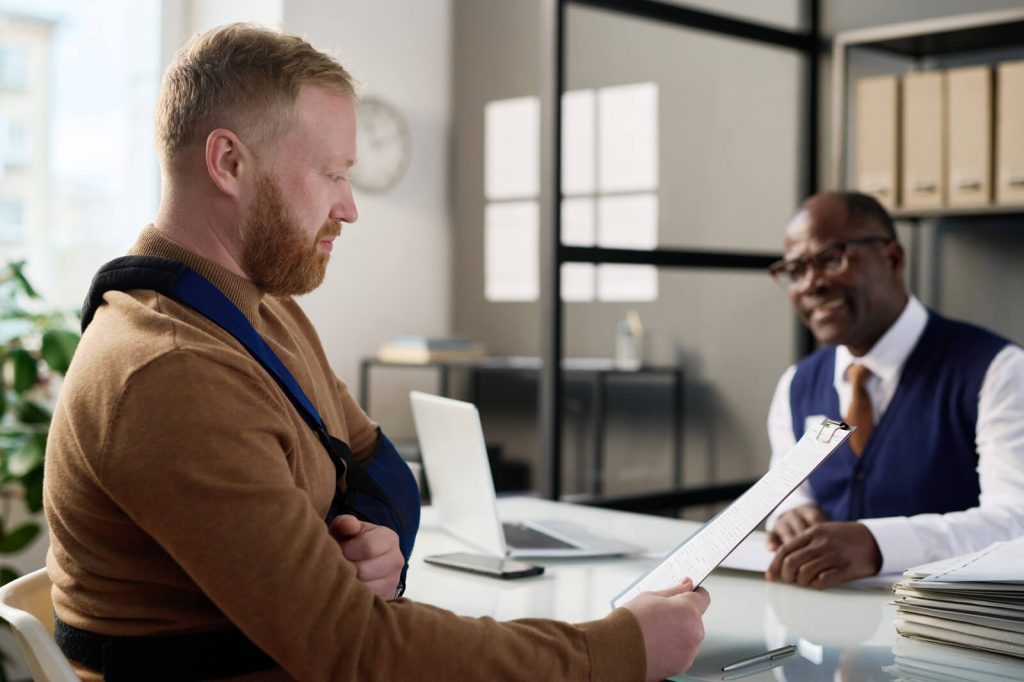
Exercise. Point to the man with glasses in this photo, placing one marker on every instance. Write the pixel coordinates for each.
(936, 466)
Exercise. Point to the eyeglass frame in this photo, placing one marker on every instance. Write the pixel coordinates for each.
(779, 270)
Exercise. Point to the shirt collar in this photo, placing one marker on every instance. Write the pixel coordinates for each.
(886, 357)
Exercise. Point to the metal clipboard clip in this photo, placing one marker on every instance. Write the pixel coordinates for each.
(829, 428)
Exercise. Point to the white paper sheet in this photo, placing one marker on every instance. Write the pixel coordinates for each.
(751, 555)
(1001, 562)
(704, 550)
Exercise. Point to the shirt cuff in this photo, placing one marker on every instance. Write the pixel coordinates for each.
(898, 543)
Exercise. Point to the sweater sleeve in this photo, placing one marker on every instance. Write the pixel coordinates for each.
(362, 431)
(210, 474)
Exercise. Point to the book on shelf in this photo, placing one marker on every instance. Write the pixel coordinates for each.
(422, 349)
(974, 602)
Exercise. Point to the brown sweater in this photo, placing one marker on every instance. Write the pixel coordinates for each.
(184, 493)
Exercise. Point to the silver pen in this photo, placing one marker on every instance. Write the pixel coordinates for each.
(767, 656)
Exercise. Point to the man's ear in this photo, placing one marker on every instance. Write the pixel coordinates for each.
(226, 158)
(897, 256)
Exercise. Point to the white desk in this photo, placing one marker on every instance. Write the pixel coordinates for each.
(842, 634)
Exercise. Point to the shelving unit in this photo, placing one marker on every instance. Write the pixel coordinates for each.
(983, 34)
(807, 44)
(600, 374)
(957, 212)
(917, 40)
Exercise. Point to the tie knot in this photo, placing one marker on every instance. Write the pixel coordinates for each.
(858, 374)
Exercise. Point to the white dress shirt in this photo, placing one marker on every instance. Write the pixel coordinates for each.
(906, 541)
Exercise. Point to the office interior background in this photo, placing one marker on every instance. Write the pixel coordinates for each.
(723, 165)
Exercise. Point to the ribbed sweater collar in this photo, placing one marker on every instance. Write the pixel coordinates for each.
(243, 293)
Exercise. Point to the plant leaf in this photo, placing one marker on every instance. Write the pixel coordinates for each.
(31, 412)
(25, 371)
(19, 538)
(19, 277)
(33, 482)
(6, 575)
(29, 456)
(9, 444)
(58, 347)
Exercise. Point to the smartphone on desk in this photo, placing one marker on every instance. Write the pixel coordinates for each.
(496, 567)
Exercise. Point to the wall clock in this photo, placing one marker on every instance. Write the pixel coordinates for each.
(383, 145)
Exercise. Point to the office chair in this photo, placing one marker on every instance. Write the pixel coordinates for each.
(25, 604)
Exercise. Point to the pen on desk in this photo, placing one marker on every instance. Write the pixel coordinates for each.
(772, 655)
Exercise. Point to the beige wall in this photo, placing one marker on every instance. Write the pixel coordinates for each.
(391, 271)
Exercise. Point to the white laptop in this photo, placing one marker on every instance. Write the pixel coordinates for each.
(462, 490)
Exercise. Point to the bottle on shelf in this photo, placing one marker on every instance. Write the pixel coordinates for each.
(629, 342)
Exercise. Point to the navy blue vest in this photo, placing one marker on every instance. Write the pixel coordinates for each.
(921, 456)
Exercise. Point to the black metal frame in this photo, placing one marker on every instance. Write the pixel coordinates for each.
(809, 44)
(671, 501)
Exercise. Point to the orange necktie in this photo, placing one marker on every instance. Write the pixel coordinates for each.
(860, 413)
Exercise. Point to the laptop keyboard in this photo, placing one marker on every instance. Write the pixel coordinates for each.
(524, 537)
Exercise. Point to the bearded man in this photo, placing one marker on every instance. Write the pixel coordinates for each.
(186, 495)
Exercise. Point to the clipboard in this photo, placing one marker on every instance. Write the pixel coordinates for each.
(699, 554)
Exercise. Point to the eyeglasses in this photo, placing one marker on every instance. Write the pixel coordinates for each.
(830, 260)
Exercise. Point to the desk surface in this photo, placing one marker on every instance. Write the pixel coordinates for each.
(841, 634)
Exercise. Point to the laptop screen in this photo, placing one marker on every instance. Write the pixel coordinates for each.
(455, 463)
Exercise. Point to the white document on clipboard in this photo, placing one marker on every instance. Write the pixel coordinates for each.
(699, 554)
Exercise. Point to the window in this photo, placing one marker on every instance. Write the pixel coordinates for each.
(81, 137)
(15, 144)
(512, 188)
(13, 68)
(609, 188)
(12, 220)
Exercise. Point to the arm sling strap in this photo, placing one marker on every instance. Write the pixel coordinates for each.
(382, 491)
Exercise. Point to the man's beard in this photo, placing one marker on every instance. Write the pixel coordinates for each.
(276, 254)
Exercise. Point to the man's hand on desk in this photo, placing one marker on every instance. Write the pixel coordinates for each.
(670, 621)
(794, 522)
(374, 550)
(827, 554)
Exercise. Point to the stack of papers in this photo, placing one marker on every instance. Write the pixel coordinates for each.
(919, 661)
(974, 601)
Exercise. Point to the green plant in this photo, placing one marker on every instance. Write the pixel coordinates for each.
(36, 345)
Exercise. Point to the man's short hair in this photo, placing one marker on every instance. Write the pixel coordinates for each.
(865, 210)
(241, 77)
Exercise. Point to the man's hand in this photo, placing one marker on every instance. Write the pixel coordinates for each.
(826, 555)
(671, 624)
(794, 522)
(374, 550)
